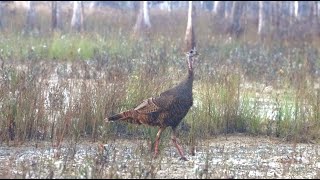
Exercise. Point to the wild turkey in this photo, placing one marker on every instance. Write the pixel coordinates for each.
(165, 110)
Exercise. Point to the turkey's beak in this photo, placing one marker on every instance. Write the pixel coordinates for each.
(195, 56)
(191, 57)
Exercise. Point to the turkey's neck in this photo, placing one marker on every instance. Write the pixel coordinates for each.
(186, 84)
(189, 79)
(190, 75)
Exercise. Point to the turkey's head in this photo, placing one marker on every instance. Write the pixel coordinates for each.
(190, 57)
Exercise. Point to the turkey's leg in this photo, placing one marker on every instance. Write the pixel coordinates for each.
(156, 147)
(174, 140)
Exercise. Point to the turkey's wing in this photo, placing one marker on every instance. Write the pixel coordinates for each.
(155, 104)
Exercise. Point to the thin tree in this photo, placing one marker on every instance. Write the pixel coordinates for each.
(291, 8)
(296, 9)
(190, 37)
(219, 9)
(228, 8)
(311, 20)
(1, 16)
(315, 17)
(263, 24)
(167, 5)
(31, 16)
(77, 16)
(143, 24)
(55, 16)
(236, 28)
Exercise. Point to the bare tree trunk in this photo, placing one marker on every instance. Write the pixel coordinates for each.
(143, 21)
(262, 19)
(303, 10)
(31, 16)
(56, 24)
(275, 15)
(296, 9)
(229, 8)
(291, 13)
(213, 6)
(1, 15)
(305, 19)
(135, 5)
(146, 18)
(313, 6)
(77, 16)
(236, 29)
(219, 9)
(314, 17)
(190, 37)
(168, 5)
(283, 20)
(208, 5)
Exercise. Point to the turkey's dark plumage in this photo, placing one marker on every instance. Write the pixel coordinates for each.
(167, 109)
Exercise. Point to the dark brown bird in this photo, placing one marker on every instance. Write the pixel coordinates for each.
(167, 109)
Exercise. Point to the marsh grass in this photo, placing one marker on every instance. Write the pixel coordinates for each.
(61, 85)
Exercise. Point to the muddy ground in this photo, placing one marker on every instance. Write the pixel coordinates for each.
(238, 156)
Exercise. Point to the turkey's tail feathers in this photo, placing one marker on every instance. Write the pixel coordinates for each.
(121, 116)
(115, 117)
